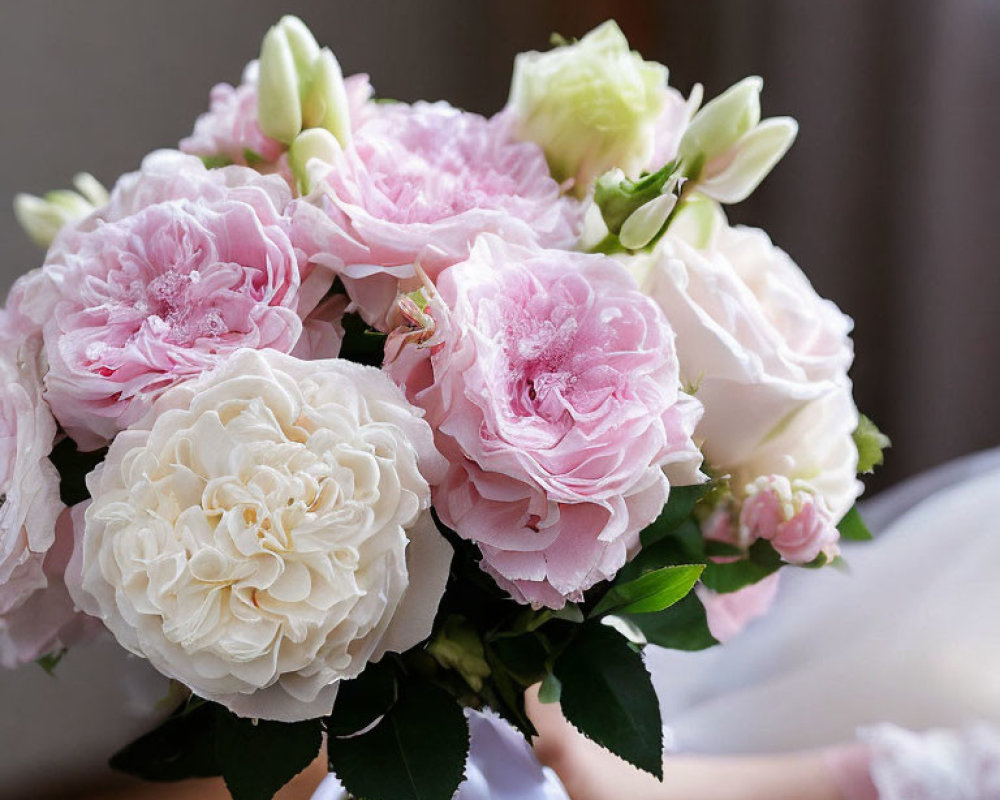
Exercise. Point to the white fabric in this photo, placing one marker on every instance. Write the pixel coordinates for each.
(908, 636)
(937, 765)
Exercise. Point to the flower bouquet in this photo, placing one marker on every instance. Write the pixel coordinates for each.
(351, 414)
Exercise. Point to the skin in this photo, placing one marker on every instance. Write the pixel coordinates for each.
(591, 773)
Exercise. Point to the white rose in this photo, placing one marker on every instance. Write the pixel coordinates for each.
(590, 105)
(768, 356)
(264, 532)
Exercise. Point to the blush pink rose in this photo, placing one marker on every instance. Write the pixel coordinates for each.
(728, 614)
(229, 129)
(792, 516)
(184, 266)
(47, 620)
(36, 614)
(418, 185)
(552, 385)
(29, 483)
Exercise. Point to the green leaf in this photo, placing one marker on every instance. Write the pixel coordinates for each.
(416, 752)
(523, 657)
(870, 442)
(258, 757)
(683, 545)
(853, 528)
(252, 157)
(73, 467)
(762, 561)
(651, 592)
(50, 661)
(182, 747)
(361, 343)
(505, 695)
(608, 696)
(214, 162)
(680, 505)
(683, 626)
(363, 700)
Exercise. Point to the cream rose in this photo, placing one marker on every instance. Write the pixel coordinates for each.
(768, 357)
(264, 532)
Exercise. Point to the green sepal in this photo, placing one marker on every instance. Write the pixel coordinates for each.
(619, 197)
(871, 443)
(608, 696)
(550, 690)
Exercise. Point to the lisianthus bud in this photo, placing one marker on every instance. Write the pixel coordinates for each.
(697, 220)
(590, 105)
(325, 104)
(300, 86)
(646, 222)
(43, 217)
(279, 107)
(315, 143)
(722, 121)
(727, 150)
(753, 157)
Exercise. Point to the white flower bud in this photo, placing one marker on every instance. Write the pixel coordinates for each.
(310, 145)
(722, 121)
(304, 47)
(300, 86)
(325, 104)
(43, 217)
(279, 107)
(646, 221)
(590, 105)
(749, 162)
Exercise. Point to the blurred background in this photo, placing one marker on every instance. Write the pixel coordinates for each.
(888, 200)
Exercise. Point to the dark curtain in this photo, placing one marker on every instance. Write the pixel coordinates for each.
(888, 200)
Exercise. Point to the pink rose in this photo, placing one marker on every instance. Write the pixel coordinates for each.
(47, 620)
(418, 185)
(184, 266)
(36, 614)
(29, 483)
(552, 385)
(229, 129)
(792, 516)
(728, 614)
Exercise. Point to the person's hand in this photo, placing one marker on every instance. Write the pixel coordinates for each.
(591, 773)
